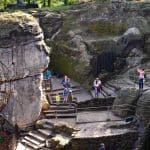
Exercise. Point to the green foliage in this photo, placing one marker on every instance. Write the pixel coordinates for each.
(53, 3)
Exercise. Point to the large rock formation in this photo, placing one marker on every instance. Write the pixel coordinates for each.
(23, 57)
(95, 38)
(105, 39)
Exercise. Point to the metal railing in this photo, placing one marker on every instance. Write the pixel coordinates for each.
(130, 109)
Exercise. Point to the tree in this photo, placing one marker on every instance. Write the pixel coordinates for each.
(49, 3)
(65, 2)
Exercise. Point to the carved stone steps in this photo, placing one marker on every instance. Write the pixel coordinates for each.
(60, 115)
(59, 111)
(36, 135)
(47, 126)
(63, 104)
(45, 132)
(32, 140)
(62, 101)
(32, 145)
(54, 107)
(60, 92)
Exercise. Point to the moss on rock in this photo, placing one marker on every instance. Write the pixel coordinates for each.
(65, 64)
(104, 28)
(10, 22)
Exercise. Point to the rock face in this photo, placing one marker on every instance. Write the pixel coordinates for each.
(143, 107)
(23, 57)
(95, 38)
(109, 40)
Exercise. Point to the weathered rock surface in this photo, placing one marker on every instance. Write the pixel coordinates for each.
(95, 38)
(23, 57)
(143, 107)
(104, 39)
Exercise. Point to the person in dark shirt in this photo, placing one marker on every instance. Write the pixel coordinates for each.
(102, 146)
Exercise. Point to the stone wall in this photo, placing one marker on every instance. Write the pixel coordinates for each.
(117, 142)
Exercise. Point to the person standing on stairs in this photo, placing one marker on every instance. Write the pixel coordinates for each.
(47, 74)
(65, 94)
(102, 146)
(97, 86)
(64, 81)
(70, 97)
(57, 99)
(141, 78)
(68, 84)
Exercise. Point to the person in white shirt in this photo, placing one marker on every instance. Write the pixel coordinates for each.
(97, 86)
(141, 78)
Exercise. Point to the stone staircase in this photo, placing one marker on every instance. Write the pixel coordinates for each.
(61, 109)
(36, 139)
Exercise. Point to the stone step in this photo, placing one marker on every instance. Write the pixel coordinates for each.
(54, 107)
(61, 97)
(32, 140)
(108, 91)
(59, 111)
(61, 89)
(45, 132)
(37, 136)
(61, 92)
(21, 146)
(62, 101)
(99, 96)
(30, 144)
(73, 115)
(109, 86)
(47, 126)
(44, 148)
(63, 104)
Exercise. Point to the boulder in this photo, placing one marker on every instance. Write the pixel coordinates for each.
(23, 57)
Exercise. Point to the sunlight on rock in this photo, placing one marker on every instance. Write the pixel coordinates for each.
(108, 132)
(21, 147)
(63, 140)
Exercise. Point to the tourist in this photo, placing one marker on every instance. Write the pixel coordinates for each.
(64, 81)
(57, 97)
(102, 146)
(47, 74)
(68, 84)
(141, 78)
(97, 86)
(65, 94)
(70, 97)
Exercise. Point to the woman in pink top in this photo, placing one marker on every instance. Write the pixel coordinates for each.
(141, 78)
(97, 86)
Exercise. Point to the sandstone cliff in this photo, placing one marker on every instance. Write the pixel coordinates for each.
(23, 57)
(109, 40)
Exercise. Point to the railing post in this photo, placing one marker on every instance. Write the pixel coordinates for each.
(108, 113)
(76, 115)
(56, 115)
